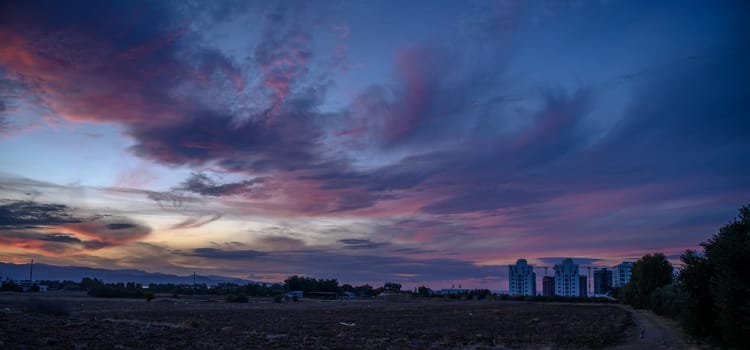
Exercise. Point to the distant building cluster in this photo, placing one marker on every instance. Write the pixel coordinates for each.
(567, 281)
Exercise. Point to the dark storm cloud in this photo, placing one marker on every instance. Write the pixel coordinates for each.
(22, 224)
(62, 238)
(20, 213)
(135, 58)
(202, 184)
(222, 254)
(120, 226)
(110, 230)
(238, 145)
(283, 135)
(44, 237)
(51, 243)
(54, 243)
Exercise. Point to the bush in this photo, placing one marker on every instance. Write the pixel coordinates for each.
(237, 298)
(149, 296)
(10, 286)
(294, 298)
(277, 299)
(667, 300)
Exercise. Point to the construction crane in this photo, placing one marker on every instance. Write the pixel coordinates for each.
(543, 267)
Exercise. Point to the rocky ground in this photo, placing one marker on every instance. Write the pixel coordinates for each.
(52, 321)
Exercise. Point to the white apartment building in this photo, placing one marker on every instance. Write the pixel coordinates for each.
(521, 278)
(567, 280)
(621, 274)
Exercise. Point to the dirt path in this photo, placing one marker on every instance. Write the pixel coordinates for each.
(658, 333)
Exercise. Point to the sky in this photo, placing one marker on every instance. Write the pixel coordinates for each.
(419, 142)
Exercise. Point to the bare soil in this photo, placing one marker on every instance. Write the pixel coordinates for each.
(54, 321)
(651, 331)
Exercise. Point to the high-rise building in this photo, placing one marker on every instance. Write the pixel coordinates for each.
(521, 278)
(602, 281)
(548, 286)
(621, 274)
(567, 280)
(583, 286)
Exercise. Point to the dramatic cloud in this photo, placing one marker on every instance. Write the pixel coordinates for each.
(28, 213)
(60, 230)
(202, 184)
(52, 243)
(319, 139)
(215, 253)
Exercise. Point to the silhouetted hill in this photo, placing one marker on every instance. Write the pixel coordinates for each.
(76, 273)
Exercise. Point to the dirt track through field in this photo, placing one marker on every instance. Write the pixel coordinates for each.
(657, 334)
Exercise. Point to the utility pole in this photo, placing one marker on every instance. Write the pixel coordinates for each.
(31, 271)
(544, 267)
(588, 281)
(195, 287)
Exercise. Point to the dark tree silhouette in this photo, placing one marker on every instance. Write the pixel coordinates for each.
(717, 285)
(649, 273)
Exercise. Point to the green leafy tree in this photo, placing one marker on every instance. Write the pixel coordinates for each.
(649, 273)
(364, 290)
(10, 285)
(424, 291)
(392, 287)
(309, 284)
(88, 283)
(699, 315)
(716, 284)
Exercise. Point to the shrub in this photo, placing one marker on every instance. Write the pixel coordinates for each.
(294, 298)
(237, 298)
(277, 299)
(667, 300)
(9, 285)
(149, 296)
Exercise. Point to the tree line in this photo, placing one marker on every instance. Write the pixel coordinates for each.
(710, 294)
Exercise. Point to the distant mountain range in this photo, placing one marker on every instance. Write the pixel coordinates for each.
(76, 273)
